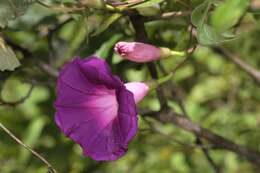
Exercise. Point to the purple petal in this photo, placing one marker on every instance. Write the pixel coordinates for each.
(94, 108)
(98, 72)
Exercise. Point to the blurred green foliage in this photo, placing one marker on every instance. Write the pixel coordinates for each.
(217, 94)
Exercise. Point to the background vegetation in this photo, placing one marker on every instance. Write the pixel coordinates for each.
(216, 85)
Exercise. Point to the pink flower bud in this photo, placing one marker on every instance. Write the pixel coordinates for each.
(137, 52)
(139, 89)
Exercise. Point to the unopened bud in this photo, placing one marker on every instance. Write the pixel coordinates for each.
(141, 52)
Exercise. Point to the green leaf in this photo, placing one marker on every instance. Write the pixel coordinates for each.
(199, 13)
(8, 59)
(107, 46)
(148, 3)
(9, 9)
(107, 23)
(228, 13)
(207, 35)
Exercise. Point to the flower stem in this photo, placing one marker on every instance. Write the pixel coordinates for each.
(177, 53)
(153, 84)
(165, 78)
(50, 167)
(166, 53)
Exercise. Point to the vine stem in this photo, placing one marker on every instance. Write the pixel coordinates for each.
(50, 167)
(153, 84)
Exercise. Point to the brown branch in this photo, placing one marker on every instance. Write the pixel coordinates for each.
(154, 129)
(254, 73)
(177, 95)
(218, 141)
(138, 24)
(206, 153)
(199, 142)
(141, 36)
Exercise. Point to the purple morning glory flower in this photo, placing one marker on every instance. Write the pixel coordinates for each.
(95, 109)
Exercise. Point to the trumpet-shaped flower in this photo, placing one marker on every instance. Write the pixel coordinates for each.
(95, 109)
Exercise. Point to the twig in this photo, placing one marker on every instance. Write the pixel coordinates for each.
(177, 96)
(218, 141)
(207, 155)
(3, 102)
(175, 14)
(198, 140)
(168, 136)
(254, 73)
(159, 90)
(28, 54)
(13, 7)
(51, 34)
(169, 15)
(50, 167)
(138, 24)
(43, 4)
(48, 69)
(182, 3)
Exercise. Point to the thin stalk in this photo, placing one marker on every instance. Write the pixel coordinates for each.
(50, 167)
(153, 84)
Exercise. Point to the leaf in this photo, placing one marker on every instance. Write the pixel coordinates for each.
(207, 35)
(107, 46)
(8, 59)
(9, 9)
(147, 3)
(107, 23)
(228, 13)
(199, 13)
